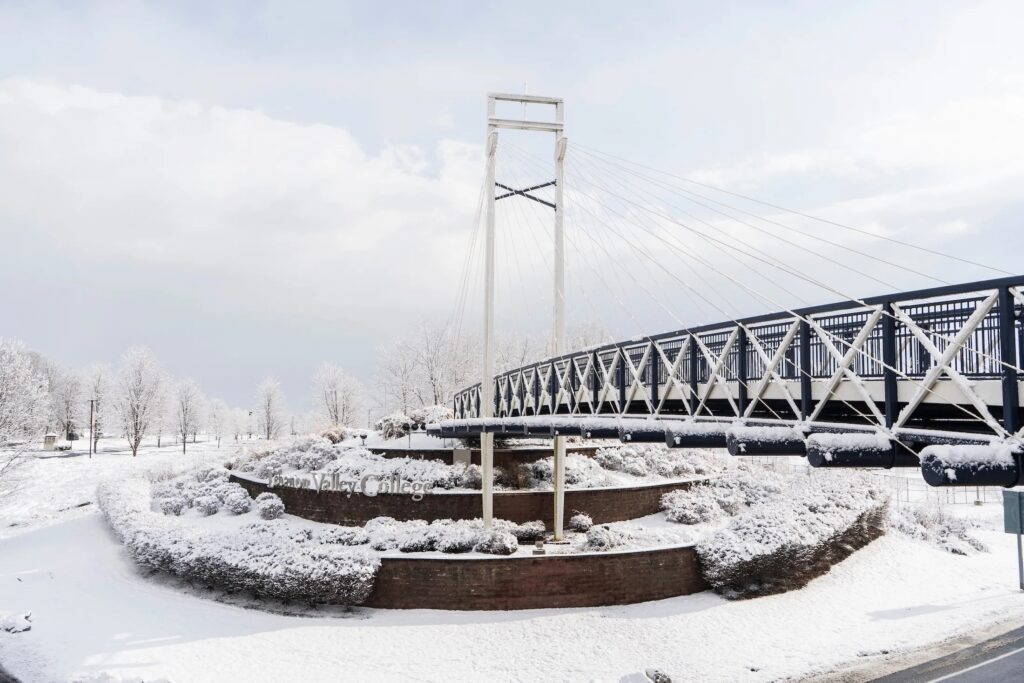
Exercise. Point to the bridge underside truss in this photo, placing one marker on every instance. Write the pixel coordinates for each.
(926, 367)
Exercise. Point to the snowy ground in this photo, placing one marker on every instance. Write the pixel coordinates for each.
(93, 615)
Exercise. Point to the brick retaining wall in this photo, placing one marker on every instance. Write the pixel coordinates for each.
(602, 504)
(582, 580)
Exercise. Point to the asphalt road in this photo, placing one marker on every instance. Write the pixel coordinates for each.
(999, 660)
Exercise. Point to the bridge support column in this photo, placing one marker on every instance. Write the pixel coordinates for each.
(487, 379)
(559, 327)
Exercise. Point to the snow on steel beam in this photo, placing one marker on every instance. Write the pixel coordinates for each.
(858, 449)
(750, 440)
(959, 465)
(691, 434)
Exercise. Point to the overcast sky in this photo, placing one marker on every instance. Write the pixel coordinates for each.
(251, 188)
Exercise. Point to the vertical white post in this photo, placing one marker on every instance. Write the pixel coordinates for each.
(487, 378)
(559, 332)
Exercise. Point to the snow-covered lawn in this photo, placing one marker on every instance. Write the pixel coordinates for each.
(93, 614)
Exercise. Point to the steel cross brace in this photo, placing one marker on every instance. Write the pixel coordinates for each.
(524, 193)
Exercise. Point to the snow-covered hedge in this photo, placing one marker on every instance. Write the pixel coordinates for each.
(726, 495)
(450, 536)
(270, 559)
(931, 524)
(316, 454)
(643, 459)
(786, 540)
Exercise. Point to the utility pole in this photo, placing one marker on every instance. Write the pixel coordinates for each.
(92, 427)
(486, 409)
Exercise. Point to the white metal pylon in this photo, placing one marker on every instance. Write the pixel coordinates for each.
(494, 123)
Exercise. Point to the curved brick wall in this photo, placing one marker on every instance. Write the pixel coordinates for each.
(583, 580)
(603, 505)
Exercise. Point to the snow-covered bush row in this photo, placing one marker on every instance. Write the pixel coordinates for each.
(726, 495)
(643, 459)
(315, 454)
(786, 540)
(450, 536)
(206, 491)
(931, 524)
(272, 559)
(580, 472)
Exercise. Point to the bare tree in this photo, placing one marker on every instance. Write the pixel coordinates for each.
(337, 394)
(187, 407)
(137, 399)
(270, 407)
(397, 376)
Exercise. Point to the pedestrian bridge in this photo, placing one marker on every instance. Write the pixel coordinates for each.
(855, 383)
(928, 377)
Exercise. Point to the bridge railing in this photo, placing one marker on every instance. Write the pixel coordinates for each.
(867, 362)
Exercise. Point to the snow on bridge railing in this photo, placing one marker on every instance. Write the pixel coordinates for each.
(883, 361)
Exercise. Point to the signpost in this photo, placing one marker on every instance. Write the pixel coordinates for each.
(1013, 523)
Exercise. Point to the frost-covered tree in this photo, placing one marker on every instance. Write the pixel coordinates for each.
(239, 420)
(66, 399)
(338, 395)
(188, 406)
(270, 407)
(217, 416)
(24, 394)
(397, 376)
(137, 395)
(97, 387)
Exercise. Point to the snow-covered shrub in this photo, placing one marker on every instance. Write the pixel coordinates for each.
(336, 434)
(344, 536)
(496, 542)
(270, 560)
(933, 525)
(238, 501)
(528, 532)
(727, 494)
(430, 414)
(269, 505)
(207, 505)
(580, 472)
(580, 523)
(645, 459)
(458, 537)
(783, 542)
(696, 505)
(172, 505)
(393, 426)
(211, 475)
(604, 538)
